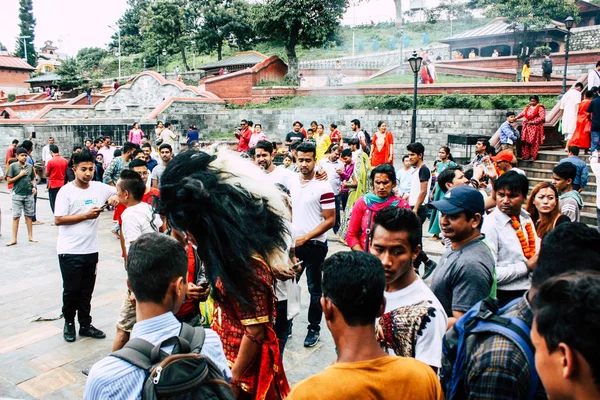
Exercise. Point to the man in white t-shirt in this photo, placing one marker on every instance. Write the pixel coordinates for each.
(263, 157)
(166, 155)
(76, 211)
(331, 165)
(414, 321)
(167, 135)
(595, 165)
(313, 214)
(420, 188)
(108, 152)
(46, 156)
(359, 134)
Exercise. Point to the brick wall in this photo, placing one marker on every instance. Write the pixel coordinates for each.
(13, 81)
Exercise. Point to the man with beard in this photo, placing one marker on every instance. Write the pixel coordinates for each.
(313, 214)
(510, 233)
(465, 273)
(263, 157)
(166, 155)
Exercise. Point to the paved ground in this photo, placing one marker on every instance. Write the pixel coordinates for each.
(35, 361)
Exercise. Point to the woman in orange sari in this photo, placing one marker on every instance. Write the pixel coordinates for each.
(532, 135)
(217, 199)
(582, 136)
(382, 150)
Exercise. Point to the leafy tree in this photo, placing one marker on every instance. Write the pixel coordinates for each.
(70, 74)
(308, 23)
(129, 26)
(165, 24)
(27, 27)
(89, 58)
(222, 21)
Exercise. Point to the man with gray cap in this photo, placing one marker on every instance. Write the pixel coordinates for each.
(465, 273)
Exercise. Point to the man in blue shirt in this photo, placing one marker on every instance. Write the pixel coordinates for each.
(157, 276)
(581, 179)
(192, 134)
(508, 133)
(593, 113)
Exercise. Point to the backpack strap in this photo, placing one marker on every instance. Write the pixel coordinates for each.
(137, 352)
(195, 336)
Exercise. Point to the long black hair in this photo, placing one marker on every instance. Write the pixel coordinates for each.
(230, 222)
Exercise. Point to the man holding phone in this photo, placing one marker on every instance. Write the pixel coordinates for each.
(78, 206)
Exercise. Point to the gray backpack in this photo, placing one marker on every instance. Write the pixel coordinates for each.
(184, 374)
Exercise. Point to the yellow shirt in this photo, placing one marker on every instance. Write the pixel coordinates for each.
(384, 378)
(323, 142)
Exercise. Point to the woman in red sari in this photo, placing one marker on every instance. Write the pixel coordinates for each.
(582, 136)
(382, 150)
(532, 135)
(336, 136)
(217, 199)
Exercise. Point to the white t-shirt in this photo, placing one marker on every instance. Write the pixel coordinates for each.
(168, 137)
(332, 176)
(595, 165)
(107, 155)
(136, 222)
(290, 240)
(281, 175)
(418, 175)
(427, 312)
(157, 172)
(80, 238)
(308, 202)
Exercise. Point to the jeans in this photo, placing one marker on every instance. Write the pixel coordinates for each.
(595, 139)
(313, 253)
(336, 226)
(282, 325)
(422, 214)
(344, 199)
(79, 278)
(598, 216)
(52, 193)
(33, 218)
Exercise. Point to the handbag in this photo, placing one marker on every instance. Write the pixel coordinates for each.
(293, 298)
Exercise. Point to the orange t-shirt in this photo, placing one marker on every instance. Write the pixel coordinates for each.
(384, 378)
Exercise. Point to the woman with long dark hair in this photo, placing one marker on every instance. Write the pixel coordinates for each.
(382, 150)
(544, 209)
(217, 199)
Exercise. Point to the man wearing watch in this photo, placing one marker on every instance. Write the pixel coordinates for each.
(21, 175)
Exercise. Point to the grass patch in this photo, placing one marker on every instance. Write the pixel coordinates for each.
(403, 102)
(409, 79)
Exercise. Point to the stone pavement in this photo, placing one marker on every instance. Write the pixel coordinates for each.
(35, 361)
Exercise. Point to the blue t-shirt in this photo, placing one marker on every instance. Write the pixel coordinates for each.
(594, 108)
(191, 136)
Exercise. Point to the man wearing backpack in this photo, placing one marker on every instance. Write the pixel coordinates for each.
(547, 68)
(361, 135)
(118, 164)
(157, 276)
(499, 363)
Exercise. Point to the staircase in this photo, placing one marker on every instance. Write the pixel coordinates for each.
(541, 170)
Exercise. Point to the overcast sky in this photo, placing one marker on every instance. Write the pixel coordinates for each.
(73, 24)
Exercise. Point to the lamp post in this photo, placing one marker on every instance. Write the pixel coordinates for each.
(568, 24)
(118, 31)
(25, 45)
(194, 54)
(415, 65)
(164, 53)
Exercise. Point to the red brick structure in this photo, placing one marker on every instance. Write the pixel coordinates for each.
(13, 73)
(237, 86)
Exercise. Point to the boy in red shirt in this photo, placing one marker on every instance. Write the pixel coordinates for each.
(56, 168)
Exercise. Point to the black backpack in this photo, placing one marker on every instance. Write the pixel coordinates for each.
(547, 66)
(369, 141)
(184, 374)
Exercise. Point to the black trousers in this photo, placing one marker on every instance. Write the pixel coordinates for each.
(313, 253)
(282, 325)
(79, 278)
(52, 193)
(422, 257)
(34, 218)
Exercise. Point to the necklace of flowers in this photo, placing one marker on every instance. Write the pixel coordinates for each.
(528, 245)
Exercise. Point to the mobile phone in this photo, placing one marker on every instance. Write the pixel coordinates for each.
(33, 135)
(104, 207)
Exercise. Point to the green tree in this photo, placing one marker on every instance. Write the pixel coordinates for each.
(129, 26)
(308, 23)
(220, 22)
(70, 74)
(26, 28)
(89, 58)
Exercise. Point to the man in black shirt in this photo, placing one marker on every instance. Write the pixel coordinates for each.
(593, 112)
(295, 135)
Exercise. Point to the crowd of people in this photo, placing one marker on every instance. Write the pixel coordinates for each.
(204, 298)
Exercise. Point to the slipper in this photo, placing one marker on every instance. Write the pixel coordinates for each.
(34, 241)
(11, 244)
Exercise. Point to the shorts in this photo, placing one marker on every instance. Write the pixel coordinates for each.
(127, 316)
(23, 205)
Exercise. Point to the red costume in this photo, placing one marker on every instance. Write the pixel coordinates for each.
(265, 377)
(532, 135)
(380, 150)
(581, 137)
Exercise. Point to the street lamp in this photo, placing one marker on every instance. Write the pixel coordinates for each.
(144, 63)
(164, 53)
(415, 65)
(194, 53)
(118, 31)
(25, 45)
(568, 24)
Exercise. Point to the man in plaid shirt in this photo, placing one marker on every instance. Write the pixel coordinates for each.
(497, 368)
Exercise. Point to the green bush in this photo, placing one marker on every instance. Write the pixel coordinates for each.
(96, 84)
(11, 97)
(456, 100)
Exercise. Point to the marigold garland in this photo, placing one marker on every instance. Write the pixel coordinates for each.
(528, 245)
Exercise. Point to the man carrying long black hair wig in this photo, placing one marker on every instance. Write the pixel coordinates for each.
(237, 222)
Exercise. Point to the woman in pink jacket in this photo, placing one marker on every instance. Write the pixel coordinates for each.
(136, 134)
(366, 207)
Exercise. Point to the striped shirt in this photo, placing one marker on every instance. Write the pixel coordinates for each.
(113, 378)
(308, 202)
